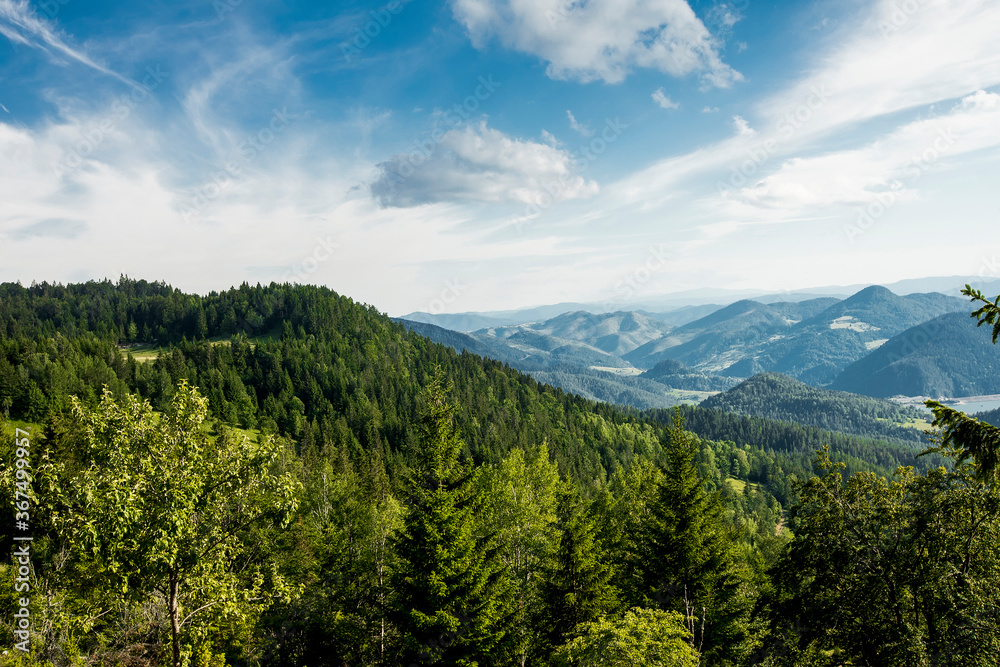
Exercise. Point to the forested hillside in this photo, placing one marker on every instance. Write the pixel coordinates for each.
(777, 396)
(944, 357)
(280, 476)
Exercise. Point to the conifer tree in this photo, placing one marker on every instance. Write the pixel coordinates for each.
(577, 588)
(688, 559)
(452, 593)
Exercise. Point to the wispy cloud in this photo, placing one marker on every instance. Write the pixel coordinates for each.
(20, 24)
(578, 127)
(890, 168)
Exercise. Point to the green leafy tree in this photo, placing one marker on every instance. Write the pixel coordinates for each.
(518, 504)
(642, 638)
(155, 509)
(453, 593)
(688, 560)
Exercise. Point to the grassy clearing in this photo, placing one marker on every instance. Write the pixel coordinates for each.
(10, 426)
(143, 353)
(919, 424)
(738, 485)
(689, 395)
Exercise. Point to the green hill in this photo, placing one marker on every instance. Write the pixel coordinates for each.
(780, 397)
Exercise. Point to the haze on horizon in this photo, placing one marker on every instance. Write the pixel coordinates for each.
(500, 153)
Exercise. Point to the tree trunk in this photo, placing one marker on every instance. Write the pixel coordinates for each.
(175, 629)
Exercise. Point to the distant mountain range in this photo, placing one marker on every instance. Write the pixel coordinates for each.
(700, 302)
(864, 343)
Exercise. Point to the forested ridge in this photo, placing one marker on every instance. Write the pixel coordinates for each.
(780, 397)
(393, 502)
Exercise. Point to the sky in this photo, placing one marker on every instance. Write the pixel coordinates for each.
(473, 155)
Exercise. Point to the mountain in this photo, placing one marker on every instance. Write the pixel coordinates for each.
(568, 362)
(776, 396)
(464, 322)
(681, 316)
(948, 356)
(679, 308)
(525, 350)
(819, 347)
(608, 387)
(811, 340)
(676, 375)
(715, 341)
(615, 333)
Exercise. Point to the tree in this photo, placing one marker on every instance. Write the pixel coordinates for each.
(453, 595)
(577, 588)
(518, 499)
(688, 561)
(643, 637)
(159, 510)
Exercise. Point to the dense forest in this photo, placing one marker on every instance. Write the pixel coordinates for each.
(276, 475)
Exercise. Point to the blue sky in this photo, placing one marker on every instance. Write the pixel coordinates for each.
(489, 154)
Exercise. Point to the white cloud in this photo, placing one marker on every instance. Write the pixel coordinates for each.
(20, 24)
(944, 51)
(743, 127)
(710, 109)
(478, 164)
(664, 101)
(601, 40)
(576, 126)
(896, 59)
(888, 169)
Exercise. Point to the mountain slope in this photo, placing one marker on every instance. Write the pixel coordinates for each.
(523, 349)
(675, 374)
(777, 396)
(615, 333)
(715, 341)
(949, 356)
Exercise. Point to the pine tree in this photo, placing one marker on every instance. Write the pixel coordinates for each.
(577, 588)
(688, 558)
(452, 593)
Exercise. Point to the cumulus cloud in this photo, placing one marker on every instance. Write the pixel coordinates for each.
(601, 40)
(665, 102)
(478, 164)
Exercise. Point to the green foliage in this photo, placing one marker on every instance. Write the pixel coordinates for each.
(642, 638)
(497, 524)
(965, 438)
(153, 509)
(988, 313)
(518, 504)
(892, 571)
